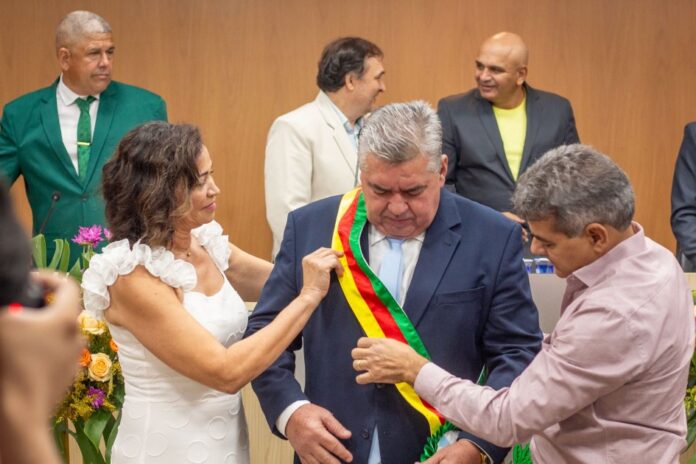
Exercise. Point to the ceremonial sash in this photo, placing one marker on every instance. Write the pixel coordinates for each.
(379, 315)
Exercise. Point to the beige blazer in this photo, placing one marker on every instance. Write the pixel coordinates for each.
(308, 157)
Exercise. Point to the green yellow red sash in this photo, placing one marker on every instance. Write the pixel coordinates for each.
(377, 312)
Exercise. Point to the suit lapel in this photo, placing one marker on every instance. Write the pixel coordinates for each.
(348, 151)
(534, 118)
(51, 128)
(107, 107)
(439, 245)
(485, 110)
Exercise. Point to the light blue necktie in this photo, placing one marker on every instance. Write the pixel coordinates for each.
(390, 270)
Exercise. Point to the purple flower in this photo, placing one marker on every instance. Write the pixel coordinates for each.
(89, 236)
(96, 397)
(107, 233)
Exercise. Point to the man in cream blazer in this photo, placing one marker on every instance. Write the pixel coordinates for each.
(311, 152)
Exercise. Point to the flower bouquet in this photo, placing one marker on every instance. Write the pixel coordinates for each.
(87, 412)
(95, 395)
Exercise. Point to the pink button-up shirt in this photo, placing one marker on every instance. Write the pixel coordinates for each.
(608, 385)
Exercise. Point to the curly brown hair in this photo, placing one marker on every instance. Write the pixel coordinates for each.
(147, 183)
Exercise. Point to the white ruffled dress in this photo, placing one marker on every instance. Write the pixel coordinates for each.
(169, 418)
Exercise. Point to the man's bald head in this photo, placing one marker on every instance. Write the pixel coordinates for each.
(501, 69)
(510, 45)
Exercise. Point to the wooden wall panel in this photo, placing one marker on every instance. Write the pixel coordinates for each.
(232, 66)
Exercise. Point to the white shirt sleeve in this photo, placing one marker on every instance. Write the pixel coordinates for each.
(282, 421)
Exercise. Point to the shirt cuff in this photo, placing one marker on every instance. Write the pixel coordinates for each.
(428, 379)
(282, 421)
(485, 457)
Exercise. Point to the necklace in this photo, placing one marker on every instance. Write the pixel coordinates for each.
(182, 254)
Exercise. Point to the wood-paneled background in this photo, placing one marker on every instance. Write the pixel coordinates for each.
(232, 66)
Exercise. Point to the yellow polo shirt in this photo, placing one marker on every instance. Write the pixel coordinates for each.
(512, 125)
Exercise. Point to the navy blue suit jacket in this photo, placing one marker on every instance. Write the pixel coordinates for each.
(469, 299)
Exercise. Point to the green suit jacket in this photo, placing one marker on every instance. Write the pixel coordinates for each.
(31, 146)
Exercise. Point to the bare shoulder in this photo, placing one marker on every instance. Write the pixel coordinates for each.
(137, 280)
(139, 293)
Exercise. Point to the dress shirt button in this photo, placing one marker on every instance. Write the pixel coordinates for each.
(380, 386)
(84, 197)
(365, 434)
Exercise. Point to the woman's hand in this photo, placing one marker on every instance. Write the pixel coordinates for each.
(316, 269)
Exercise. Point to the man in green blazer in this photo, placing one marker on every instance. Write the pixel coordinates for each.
(58, 143)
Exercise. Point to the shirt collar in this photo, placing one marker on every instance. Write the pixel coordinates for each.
(350, 129)
(374, 236)
(595, 271)
(66, 95)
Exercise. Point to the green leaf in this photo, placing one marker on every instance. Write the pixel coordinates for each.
(57, 253)
(65, 257)
(90, 454)
(86, 256)
(76, 271)
(60, 430)
(94, 426)
(690, 433)
(521, 454)
(111, 436)
(38, 251)
(119, 395)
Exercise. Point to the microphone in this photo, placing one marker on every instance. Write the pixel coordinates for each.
(54, 199)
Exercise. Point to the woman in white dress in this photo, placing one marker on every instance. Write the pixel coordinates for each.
(172, 289)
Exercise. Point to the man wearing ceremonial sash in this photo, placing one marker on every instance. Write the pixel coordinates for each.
(422, 266)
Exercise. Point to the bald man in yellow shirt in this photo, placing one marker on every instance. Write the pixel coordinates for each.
(494, 132)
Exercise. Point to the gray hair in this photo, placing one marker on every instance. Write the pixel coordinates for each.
(78, 24)
(399, 132)
(576, 185)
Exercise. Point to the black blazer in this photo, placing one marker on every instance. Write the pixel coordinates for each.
(683, 217)
(478, 168)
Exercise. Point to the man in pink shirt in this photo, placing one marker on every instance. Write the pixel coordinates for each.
(608, 385)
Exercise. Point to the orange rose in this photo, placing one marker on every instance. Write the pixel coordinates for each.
(85, 357)
(113, 345)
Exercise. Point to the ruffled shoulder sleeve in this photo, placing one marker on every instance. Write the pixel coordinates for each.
(216, 244)
(118, 258)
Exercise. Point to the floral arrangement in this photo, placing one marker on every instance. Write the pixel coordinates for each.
(88, 411)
